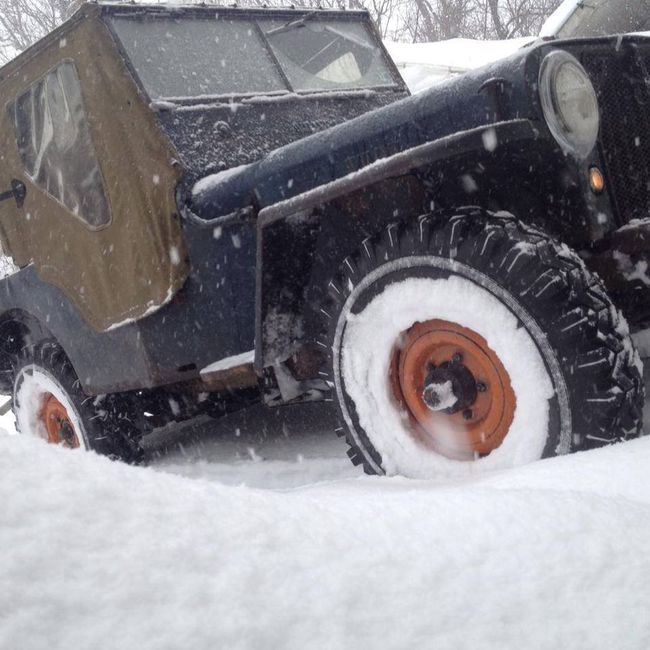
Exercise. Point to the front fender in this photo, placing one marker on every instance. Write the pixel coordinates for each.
(487, 137)
(289, 232)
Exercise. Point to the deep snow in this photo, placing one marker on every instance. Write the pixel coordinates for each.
(425, 64)
(103, 555)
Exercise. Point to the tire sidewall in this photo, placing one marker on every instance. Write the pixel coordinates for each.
(34, 377)
(106, 423)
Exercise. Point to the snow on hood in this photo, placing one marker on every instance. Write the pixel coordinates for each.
(102, 555)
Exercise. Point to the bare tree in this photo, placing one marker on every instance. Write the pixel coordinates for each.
(386, 14)
(510, 18)
(22, 22)
(435, 20)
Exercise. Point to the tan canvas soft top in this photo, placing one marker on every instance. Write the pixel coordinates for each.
(127, 267)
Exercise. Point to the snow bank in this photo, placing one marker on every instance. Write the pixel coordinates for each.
(102, 555)
(424, 64)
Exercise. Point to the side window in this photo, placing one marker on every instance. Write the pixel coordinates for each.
(55, 146)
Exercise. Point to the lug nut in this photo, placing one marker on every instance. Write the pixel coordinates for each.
(481, 387)
(467, 414)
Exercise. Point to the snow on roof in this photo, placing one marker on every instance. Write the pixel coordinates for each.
(556, 20)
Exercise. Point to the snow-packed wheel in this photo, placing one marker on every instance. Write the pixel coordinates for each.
(48, 403)
(469, 342)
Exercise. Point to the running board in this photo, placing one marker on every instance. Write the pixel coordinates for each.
(231, 373)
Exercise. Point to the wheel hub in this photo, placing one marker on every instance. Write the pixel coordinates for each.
(57, 423)
(449, 387)
(454, 388)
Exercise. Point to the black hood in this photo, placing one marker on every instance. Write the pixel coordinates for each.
(494, 93)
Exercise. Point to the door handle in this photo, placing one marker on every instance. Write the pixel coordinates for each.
(18, 192)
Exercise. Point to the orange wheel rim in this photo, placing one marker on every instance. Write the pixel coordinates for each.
(58, 425)
(454, 388)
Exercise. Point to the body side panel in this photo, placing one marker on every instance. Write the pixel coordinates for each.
(122, 269)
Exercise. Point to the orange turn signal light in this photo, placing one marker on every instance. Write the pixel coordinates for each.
(596, 180)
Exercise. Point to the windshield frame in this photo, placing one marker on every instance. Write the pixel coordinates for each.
(253, 15)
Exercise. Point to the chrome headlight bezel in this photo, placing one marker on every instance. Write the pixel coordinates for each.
(578, 141)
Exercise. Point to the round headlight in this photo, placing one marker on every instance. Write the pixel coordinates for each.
(569, 103)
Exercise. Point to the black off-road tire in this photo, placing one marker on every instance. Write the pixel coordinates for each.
(107, 420)
(545, 279)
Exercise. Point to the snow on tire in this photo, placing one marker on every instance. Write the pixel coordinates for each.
(48, 403)
(469, 342)
(44, 410)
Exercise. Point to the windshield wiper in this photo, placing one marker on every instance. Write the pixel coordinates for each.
(292, 24)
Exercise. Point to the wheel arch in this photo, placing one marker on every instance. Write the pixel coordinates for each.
(41, 309)
(579, 332)
(301, 240)
(18, 328)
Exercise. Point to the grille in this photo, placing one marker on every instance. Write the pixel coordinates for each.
(624, 140)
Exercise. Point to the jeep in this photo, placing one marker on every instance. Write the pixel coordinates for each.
(210, 207)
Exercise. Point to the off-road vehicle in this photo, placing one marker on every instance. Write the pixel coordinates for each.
(214, 206)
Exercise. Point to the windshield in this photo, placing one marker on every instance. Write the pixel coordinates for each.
(319, 55)
(603, 17)
(191, 57)
(197, 56)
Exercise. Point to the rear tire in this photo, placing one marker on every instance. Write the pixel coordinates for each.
(582, 376)
(48, 403)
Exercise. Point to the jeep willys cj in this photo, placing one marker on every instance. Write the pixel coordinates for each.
(212, 206)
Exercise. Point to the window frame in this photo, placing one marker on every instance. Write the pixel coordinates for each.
(253, 17)
(350, 89)
(246, 20)
(11, 109)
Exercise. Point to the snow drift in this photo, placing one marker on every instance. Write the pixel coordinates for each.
(103, 555)
(424, 64)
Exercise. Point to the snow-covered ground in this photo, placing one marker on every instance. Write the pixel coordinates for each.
(180, 554)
